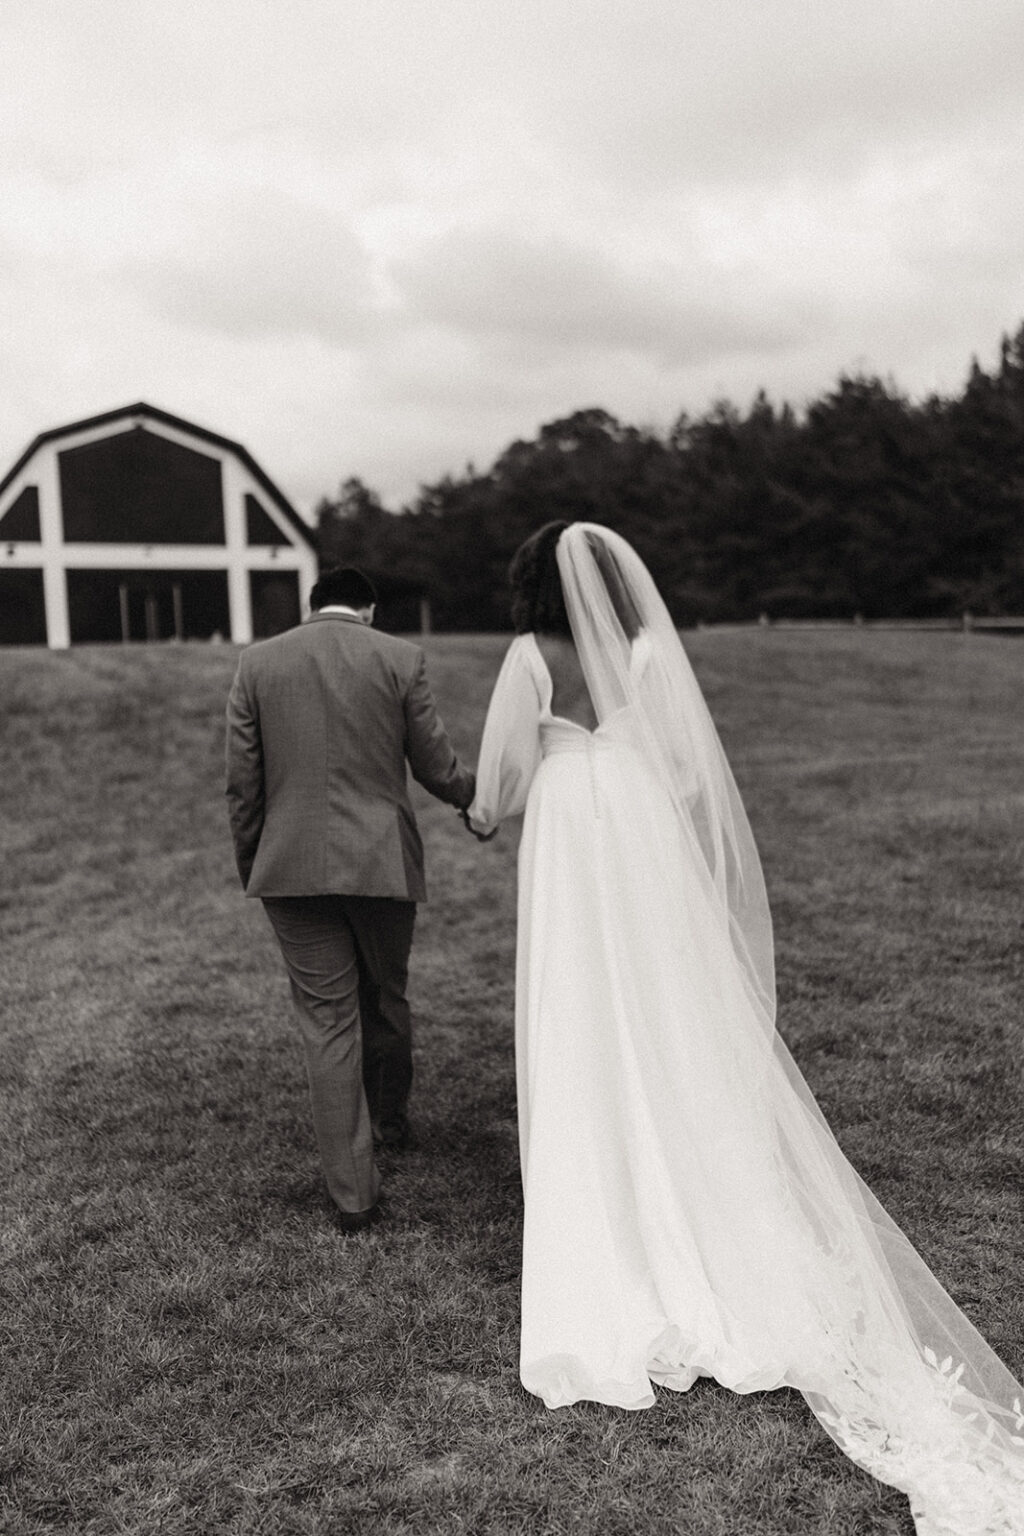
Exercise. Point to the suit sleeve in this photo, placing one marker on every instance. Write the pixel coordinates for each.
(510, 749)
(431, 755)
(244, 788)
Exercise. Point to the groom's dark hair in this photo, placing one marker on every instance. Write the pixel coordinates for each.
(344, 584)
(537, 602)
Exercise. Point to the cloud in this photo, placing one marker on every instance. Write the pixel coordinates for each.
(677, 96)
(499, 284)
(263, 264)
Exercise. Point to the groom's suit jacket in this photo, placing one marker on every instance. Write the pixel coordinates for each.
(321, 721)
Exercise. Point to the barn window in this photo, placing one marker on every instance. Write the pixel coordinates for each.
(138, 488)
(22, 608)
(21, 520)
(260, 527)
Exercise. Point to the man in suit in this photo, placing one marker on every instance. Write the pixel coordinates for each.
(321, 722)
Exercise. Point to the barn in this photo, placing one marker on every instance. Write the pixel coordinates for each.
(137, 525)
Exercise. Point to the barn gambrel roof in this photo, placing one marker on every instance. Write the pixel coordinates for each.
(153, 413)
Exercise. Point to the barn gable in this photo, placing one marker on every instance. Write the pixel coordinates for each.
(139, 525)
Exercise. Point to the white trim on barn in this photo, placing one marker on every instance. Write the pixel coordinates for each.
(282, 543)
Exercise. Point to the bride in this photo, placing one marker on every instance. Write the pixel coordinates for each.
(687, 1210)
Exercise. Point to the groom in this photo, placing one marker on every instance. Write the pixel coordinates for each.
(321, 721)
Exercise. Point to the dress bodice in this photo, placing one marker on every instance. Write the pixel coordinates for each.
(557, 732)
(560, 735)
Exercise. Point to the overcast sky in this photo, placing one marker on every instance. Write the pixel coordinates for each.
(387, 237)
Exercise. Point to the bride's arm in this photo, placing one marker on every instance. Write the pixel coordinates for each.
(510, 749)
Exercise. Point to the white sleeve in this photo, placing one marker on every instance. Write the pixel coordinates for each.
(510, 749)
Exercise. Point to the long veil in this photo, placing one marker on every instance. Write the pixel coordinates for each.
(895, 1372)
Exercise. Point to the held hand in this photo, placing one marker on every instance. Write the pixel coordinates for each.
(481, 837)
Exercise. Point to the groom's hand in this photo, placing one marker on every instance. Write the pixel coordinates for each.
(481, 837)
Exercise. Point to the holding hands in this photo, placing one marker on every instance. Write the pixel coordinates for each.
(481, 837)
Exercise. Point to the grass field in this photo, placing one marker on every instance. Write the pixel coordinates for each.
(188, 1344)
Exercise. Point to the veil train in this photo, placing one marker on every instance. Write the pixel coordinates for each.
(892, 1368)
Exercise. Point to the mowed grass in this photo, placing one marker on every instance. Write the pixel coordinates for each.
(189, 1346)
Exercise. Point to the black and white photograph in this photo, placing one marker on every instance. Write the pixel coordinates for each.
(512, 768)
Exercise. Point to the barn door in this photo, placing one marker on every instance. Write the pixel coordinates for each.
(155, 611)
(148, 605)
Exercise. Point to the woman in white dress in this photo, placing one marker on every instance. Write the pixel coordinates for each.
(687, 1210)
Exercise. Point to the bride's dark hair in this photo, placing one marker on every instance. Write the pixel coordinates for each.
(537, 601)
(538, 604)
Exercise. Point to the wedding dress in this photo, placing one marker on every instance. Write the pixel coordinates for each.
(687, 1209)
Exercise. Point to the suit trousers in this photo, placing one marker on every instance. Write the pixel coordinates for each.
(347, 959)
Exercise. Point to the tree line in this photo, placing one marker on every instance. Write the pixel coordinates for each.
(865, 503)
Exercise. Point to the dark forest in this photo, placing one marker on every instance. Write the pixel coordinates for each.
(864, 504)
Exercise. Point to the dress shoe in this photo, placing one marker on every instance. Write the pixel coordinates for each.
(393, 1136)
(358, 1221)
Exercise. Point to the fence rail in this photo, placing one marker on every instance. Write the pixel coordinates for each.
(967, 623)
